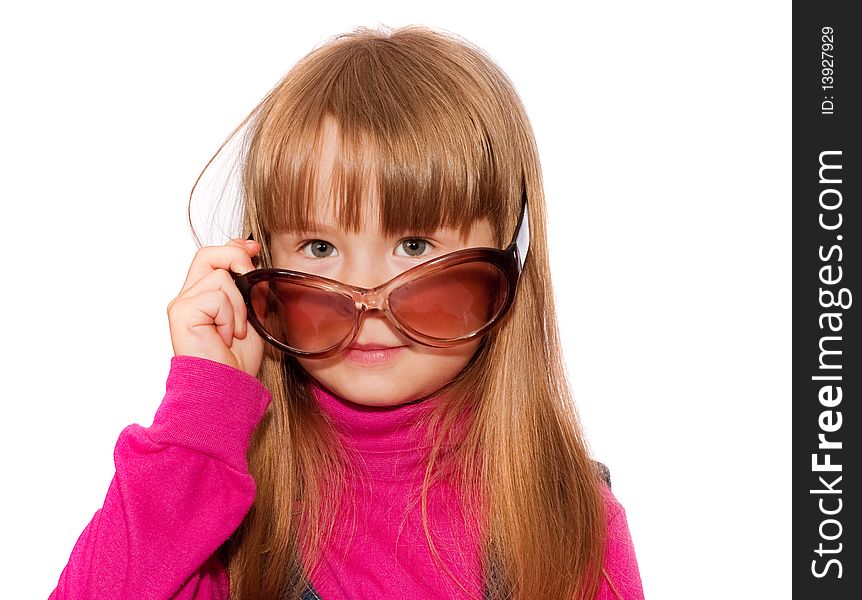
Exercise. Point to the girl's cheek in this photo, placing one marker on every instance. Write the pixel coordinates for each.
(284, 260)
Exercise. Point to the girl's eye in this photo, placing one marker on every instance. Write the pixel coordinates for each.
(319, 248)
(414, 246)
(411, 247)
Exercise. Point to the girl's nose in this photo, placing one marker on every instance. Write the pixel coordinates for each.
(368, 272)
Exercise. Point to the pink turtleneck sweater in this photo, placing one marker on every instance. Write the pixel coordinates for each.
(182, 486)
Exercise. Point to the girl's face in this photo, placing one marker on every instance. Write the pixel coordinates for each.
(405, 370)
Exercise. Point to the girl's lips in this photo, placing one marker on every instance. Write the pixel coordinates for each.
(377, 356)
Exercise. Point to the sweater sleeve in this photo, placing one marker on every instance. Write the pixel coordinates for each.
(181, 488)
(621, 562)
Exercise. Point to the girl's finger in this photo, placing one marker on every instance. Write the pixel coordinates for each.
(234, 256)
(196, 315)
(222, 281)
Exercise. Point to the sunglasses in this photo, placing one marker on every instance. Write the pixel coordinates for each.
(443, 302)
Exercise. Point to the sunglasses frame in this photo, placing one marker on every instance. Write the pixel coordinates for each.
(510, 261)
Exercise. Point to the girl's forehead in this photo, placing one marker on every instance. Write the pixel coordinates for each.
(323, 216)
(323, 219)
(345, 181)
(352, 210)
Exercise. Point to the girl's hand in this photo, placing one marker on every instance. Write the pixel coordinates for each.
(208, 318)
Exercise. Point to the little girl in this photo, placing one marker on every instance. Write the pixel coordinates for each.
(367, 398)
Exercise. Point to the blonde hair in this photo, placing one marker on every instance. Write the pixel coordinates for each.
(439, 130)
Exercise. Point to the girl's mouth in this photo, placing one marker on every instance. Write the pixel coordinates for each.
(372, 354)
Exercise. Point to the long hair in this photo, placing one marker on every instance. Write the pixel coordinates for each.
(439, 130)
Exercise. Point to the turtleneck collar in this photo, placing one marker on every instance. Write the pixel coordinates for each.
(378, 546)
(390, 441)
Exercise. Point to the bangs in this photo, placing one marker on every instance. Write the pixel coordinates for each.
(413, 132)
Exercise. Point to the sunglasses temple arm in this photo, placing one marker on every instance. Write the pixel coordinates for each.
(522, 235)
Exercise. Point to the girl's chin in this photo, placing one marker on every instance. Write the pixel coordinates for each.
(372, 387)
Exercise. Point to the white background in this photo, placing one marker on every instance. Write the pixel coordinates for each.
(664, 130)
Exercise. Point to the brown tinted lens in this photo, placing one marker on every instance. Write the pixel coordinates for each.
(303, 317)
(453, 302)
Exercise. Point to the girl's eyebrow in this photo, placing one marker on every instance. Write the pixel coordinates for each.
(319, 228)
(330, 230)
(314, 228)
